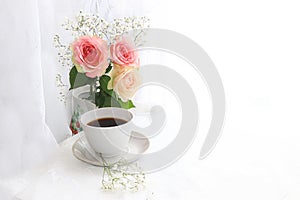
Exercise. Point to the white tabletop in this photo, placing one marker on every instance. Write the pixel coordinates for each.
(220, 176)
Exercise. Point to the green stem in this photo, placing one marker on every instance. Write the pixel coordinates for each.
(91, 89)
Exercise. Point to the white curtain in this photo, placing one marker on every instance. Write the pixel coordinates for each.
(32, 117)
(22, 116)
(25, 138)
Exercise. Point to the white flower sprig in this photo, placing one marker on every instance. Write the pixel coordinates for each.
(93, 25)
(122, 176)
(64, 52)
(62, 87)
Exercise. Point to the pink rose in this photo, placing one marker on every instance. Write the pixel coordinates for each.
(122, 53)
(126, 83)
(90, 55)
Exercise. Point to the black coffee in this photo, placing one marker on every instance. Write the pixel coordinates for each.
(107, 122)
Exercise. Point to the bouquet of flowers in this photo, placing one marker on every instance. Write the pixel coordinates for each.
(103, 55)
(111, 71)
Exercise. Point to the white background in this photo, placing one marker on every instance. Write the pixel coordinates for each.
(255, 46)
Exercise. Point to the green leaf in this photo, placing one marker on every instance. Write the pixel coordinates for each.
(127, 105)
(99, 99)
(105, 100)
(103, 84)
(109, 68)
(72, 77)
(79, 79)
(111, 102)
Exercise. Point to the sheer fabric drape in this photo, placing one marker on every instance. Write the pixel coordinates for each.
(32, 118)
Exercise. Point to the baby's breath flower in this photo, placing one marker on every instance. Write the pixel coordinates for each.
(62, 88)
(122, 176)
(93, 25)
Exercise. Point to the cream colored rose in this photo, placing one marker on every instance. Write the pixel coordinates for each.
(126, 83)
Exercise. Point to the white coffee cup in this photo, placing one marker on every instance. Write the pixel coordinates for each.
(108, 141)
(111, 141)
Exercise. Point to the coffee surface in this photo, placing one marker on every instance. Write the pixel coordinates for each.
(107, 122)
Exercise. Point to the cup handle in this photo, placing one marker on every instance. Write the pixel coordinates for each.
(158, 119)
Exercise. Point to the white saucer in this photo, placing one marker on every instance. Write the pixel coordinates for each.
(138, 144)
